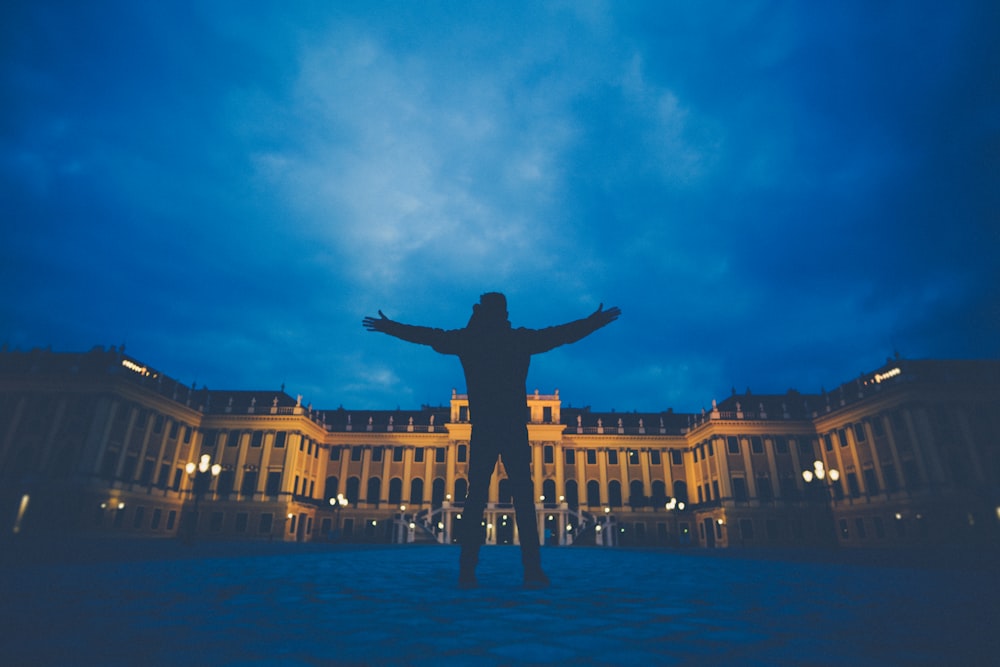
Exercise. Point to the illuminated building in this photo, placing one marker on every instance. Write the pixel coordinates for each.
(101, 443)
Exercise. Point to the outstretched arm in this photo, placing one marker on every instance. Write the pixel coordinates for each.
(574, 331)
(407, 332)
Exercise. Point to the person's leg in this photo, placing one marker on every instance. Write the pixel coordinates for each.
(482, 461)
(517, 462)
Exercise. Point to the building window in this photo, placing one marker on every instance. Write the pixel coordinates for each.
(756, 444)
(256, 438)
(395, 491)
(171, 519)
(676, 457)
(547, 414)
(187, 434)
(463, 453)
(715, 489)
(781, 445)
(138, 516)
(654, 457)
(739, 485)
(463, 413)
(711, 448)
(844, 532)
(154, 522)
(439, 455)
(418, 455)
(615, 493)
(273, 485)
(764, 490)
(357, 451)
(877, 428)
(593, 493)
(633, 457)
(376, 453)
(279, 442)
(827, 442)
(591, 457)
(570, 456)
(249, 484)
(174, 427)
(871, 481)
(852, 485)
(335, 453)
(732, 444)
(746, 529)
(242, 518)
(397, 454)
(233, 439)
(265, 523)
(158, 424)
(548, 454)
(859, 528)
(859, 435)
(889, 474)
(215, 522)
(842, 435)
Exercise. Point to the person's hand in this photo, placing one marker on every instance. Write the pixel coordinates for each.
(604, 317)
(379, 323)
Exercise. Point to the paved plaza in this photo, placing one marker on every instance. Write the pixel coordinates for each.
(165, 603)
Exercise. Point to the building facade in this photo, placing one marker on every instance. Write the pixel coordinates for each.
(99, 442)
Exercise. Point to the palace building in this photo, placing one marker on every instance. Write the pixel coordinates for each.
(100, 442)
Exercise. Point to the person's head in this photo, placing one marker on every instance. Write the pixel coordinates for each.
(492, 308)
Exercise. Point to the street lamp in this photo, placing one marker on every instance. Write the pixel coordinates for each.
(338, 504)
(821, 478)
(201, 475)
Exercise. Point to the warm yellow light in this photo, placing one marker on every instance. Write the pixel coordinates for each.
(834, 475)
(719, 521)
(597, 528)
(21, 510)
(680, 506)
(333, 501)
(412, 525)
(121, 506)
(607, 510)
(820, 473)
(189, 468)
(402, 508)
(440, 525)
(458, 516)
(542, 498)
(216, 469)
(807, 475)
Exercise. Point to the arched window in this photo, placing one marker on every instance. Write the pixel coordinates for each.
(374, 490)
(417, 491)
(681, 491)
(615, 493)
(593, 493)
(461, 490)
(395, 491)
(659, 497)
(437, 492)
(504, 496)
(332, 487)
(636, 495)
(549, 491)
(353, 488)
(572, 494)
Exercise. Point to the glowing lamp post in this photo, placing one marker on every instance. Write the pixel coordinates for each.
(338, 504)
(821, 479)
(201, 475)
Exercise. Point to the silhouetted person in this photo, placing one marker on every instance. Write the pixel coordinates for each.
(495, 359)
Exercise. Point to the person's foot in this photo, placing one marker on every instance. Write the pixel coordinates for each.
(535, 580)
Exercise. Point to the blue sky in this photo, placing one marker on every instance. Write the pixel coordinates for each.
(777, 195)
